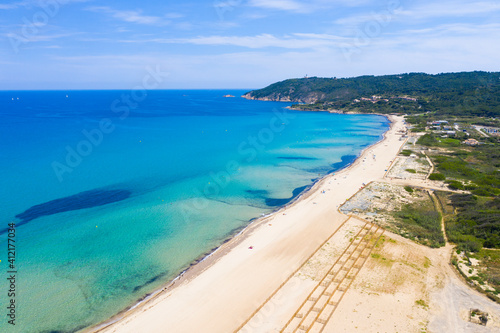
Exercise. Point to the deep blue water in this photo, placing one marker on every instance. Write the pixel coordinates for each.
(114, 195)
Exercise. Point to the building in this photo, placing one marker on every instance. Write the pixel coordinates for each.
(492, 131)
(471, 142)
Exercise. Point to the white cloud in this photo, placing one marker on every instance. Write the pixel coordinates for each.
(304, 6)
(450, 9)
(422, 11)
(448, 47)
(294, 41)
(36, 3)
(12, 5)
(38, 38)
(320, 36)
(418, 50)
(456, 29)
(132, 16)
(416, 40)
(285, 5)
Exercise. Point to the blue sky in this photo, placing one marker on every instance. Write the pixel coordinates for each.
(91, 44)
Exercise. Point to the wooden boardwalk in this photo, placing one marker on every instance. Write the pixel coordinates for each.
(317, 309)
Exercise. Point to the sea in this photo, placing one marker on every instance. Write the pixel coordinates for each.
(106, 196)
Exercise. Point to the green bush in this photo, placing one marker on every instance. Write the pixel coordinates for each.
(469, 243)
(477, 222)
(408, 189)
(455, 185)
(450, 143)
(456, 167)
(483, 192)
(406, 152)
(437, 176)
(421, 223)
(411, 170)
(427, 140)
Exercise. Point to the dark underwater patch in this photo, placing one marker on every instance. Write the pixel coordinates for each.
(82, 200)
(259, 193)
(345, 161)
(303, 158)
(270, 202)
(320, 169)
(153, 279)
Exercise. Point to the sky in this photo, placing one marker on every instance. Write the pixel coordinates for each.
(240, 44)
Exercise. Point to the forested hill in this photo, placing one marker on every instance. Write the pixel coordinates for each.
(471, 93)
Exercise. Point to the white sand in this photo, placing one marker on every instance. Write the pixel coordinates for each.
(222, 293)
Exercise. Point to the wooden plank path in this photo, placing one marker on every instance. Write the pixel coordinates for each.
(317, 309)
(291, 275)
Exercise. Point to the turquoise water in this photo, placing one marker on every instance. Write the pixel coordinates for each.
(114, 197)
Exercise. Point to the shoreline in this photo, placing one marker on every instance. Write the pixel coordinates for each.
(208, 260)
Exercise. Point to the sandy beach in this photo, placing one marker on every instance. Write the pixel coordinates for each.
(223, 292)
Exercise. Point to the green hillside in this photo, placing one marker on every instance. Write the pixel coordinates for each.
(470, 93)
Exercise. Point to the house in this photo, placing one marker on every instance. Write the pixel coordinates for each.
(491, 131)
(471, 142)
(439, 122)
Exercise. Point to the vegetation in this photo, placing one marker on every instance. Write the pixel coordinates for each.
(472, 169)
(408, 189)
(422, 303)
(445, 203)
(427, 140)
(432, 140)
(468, 93)
(475, 170)
(421, 223)
(437, 176)
(490, 268)
(477, 223)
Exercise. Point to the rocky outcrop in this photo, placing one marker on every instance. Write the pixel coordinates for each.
(310, 98)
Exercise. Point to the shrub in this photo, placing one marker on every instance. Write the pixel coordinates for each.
(482, 192)
(411, 170)
(427, 140)
(437, 176)
(455, 185)
(420, 222)
(470, 243)
(408, 189)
